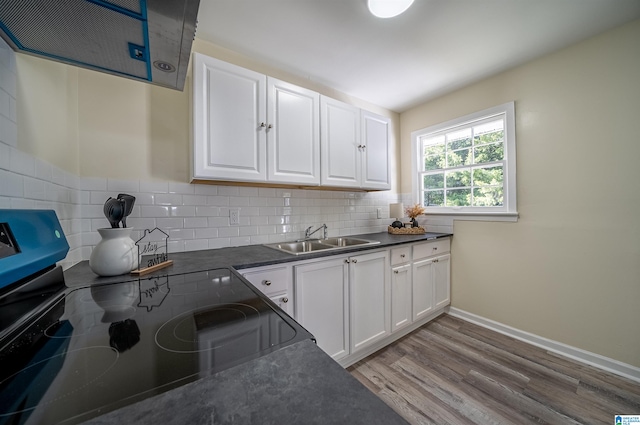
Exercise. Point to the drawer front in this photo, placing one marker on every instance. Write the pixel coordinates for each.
(400, 255)
(269, 281)
(429, 249)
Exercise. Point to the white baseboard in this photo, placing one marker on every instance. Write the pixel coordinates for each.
(596, 360)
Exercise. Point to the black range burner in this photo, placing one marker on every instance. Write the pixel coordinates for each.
(103, 347)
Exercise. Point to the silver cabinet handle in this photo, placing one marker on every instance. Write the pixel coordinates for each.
(266, 282)
(269, 126)
(402, 255)
(396, 271)
(262, 125)
(347, 261)
(284, 300)
(354, 260)
(435, 248)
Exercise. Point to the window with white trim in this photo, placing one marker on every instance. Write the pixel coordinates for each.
(467, 165)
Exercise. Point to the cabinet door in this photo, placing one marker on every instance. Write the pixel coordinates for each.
(293, 134)
(422, 288)
(401, 313)
(375, 151)
(339, 139)
(442, 280)
(229, 106)
(370, 295)
(322, 291)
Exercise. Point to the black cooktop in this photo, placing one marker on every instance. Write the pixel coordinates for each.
(99, 348)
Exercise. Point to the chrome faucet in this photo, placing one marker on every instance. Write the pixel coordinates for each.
(308, 232)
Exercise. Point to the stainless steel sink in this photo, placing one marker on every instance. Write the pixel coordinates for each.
(299, 247)
(316, 245)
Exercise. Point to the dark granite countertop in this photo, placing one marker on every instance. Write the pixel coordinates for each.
(298, 384)
(240, 257)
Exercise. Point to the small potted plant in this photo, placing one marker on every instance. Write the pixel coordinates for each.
(413, 212)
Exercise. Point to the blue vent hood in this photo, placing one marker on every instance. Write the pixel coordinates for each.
(145, 40)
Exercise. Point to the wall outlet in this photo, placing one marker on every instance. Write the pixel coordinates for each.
(234, 216)
(379, 212)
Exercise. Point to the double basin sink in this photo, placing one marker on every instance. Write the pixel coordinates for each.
(318, 245)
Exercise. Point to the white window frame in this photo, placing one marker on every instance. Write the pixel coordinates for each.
(507, 212)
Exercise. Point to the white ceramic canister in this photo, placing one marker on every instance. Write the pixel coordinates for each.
(115, 254)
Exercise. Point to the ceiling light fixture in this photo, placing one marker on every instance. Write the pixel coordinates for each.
(388, 8)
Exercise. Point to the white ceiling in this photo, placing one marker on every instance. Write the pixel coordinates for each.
(436, 46)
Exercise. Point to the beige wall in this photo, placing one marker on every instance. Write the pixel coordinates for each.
(47, 111)
(569, 269)
(98, 125)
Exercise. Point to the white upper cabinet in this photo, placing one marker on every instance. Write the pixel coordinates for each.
(248, 127)
(229, 111)
(375, 151)
(293, 134)
(340, 143)
(354, 146)
(253, 128)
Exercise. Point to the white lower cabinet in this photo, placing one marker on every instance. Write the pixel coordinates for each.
(357, 304)
(370, 299)
(401, 297)
(431, 277)
(344, 302)
(422, 288)
(322, 303)
(442, 281)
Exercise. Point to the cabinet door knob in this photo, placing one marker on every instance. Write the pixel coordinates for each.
(262, 125)
(402, 255)
(284, 299)
(266, 282)
(435, 248)
(269, 126)
(396, 271)
(354, 260)
(347, 261)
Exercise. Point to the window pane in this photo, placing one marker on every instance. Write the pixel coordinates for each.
(459, 178)
(434, 181)
(489, 132)
(457, 158)
(433, 162)
(434, 149)
(459, 139)
(458, 197)
(488, 176)
(488, 197)
(489, 153)
(434, 198)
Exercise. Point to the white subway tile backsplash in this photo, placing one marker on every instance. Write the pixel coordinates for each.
(196, 244)
(168, 199)
(181, 188)
(154, 211)
(11, 184)
(195, 222)
(206, 189)
(203, 211)
(170, 223)
(206, 233)
(182, 211)
(195, 216)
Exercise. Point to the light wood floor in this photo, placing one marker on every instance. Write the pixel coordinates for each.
(454, 372)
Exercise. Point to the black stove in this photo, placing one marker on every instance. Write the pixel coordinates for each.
(88, 351)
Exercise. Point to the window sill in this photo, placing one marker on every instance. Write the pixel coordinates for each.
(476, 216)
